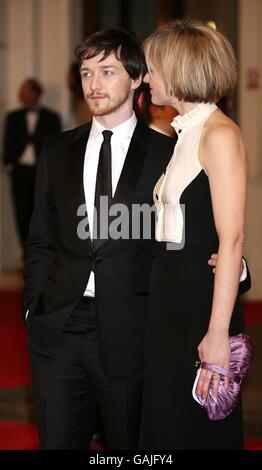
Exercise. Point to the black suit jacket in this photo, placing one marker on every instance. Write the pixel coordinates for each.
(59, 262)
(16, 136)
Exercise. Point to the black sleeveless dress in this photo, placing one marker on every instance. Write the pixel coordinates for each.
(180, 301)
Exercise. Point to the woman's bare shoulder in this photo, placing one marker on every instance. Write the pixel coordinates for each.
(221, 138)
(220, 128)
(220, 131)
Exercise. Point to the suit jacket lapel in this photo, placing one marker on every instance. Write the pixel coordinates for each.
(132, 166)
(24, 123)
(76, 172)
(40, 121)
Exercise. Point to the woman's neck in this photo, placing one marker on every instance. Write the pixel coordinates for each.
(183, 107)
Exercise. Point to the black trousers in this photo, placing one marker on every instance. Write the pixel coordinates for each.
(68, 381)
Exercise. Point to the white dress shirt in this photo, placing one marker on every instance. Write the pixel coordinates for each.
(120, 142)
(28, 157)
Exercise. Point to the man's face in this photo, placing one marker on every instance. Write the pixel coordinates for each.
(107, 86)
(27, 96)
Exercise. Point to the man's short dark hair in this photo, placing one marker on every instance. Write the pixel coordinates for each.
(122, 43)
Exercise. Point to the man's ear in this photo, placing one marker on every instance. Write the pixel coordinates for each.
(136, 83)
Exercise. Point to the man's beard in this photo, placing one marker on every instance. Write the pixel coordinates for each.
(101, 108)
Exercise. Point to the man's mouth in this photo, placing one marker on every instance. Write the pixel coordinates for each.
(96, 97)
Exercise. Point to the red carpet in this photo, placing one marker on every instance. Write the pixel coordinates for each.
(24, 436)
(14, 363)
(18, 436)
(253, 313)
(253, 444)
(15, 370)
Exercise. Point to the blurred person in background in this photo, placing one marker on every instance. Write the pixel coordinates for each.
(24, 132)
(156, 117)
(161, 118)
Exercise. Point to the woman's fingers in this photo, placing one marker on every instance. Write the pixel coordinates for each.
(203, 383)
(216, 378)
(226, 382)
(206, 383)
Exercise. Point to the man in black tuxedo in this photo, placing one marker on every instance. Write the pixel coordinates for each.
(25, 130)
(85, 296)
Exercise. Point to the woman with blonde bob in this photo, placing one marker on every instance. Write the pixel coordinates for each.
(200, 202)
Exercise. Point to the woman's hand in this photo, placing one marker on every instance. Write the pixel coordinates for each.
(215, 349)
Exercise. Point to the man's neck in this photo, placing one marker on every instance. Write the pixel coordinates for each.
(32, 107)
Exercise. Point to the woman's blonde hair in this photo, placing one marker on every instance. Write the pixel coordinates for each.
(196, 62)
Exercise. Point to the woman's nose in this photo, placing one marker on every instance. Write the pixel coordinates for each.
(146, 78)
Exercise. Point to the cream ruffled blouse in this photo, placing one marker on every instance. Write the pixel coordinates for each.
(183, 167)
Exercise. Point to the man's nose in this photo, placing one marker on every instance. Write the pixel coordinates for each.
(95, 83)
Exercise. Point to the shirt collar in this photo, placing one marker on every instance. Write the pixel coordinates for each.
(122, 131)
(32, 110)
(200, 112)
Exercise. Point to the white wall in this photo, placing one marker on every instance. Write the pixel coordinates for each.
(9, 252)
(39, 43)
(250, 114)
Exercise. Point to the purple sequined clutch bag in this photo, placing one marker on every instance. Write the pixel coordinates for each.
(240, 362)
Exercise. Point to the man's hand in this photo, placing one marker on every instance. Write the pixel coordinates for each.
(213, 262)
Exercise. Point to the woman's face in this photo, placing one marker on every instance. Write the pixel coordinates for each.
(158, 92)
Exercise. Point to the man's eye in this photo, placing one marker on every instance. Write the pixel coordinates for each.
(86, 74)
(108, 72)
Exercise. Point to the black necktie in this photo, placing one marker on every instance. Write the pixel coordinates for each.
(103, 187)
